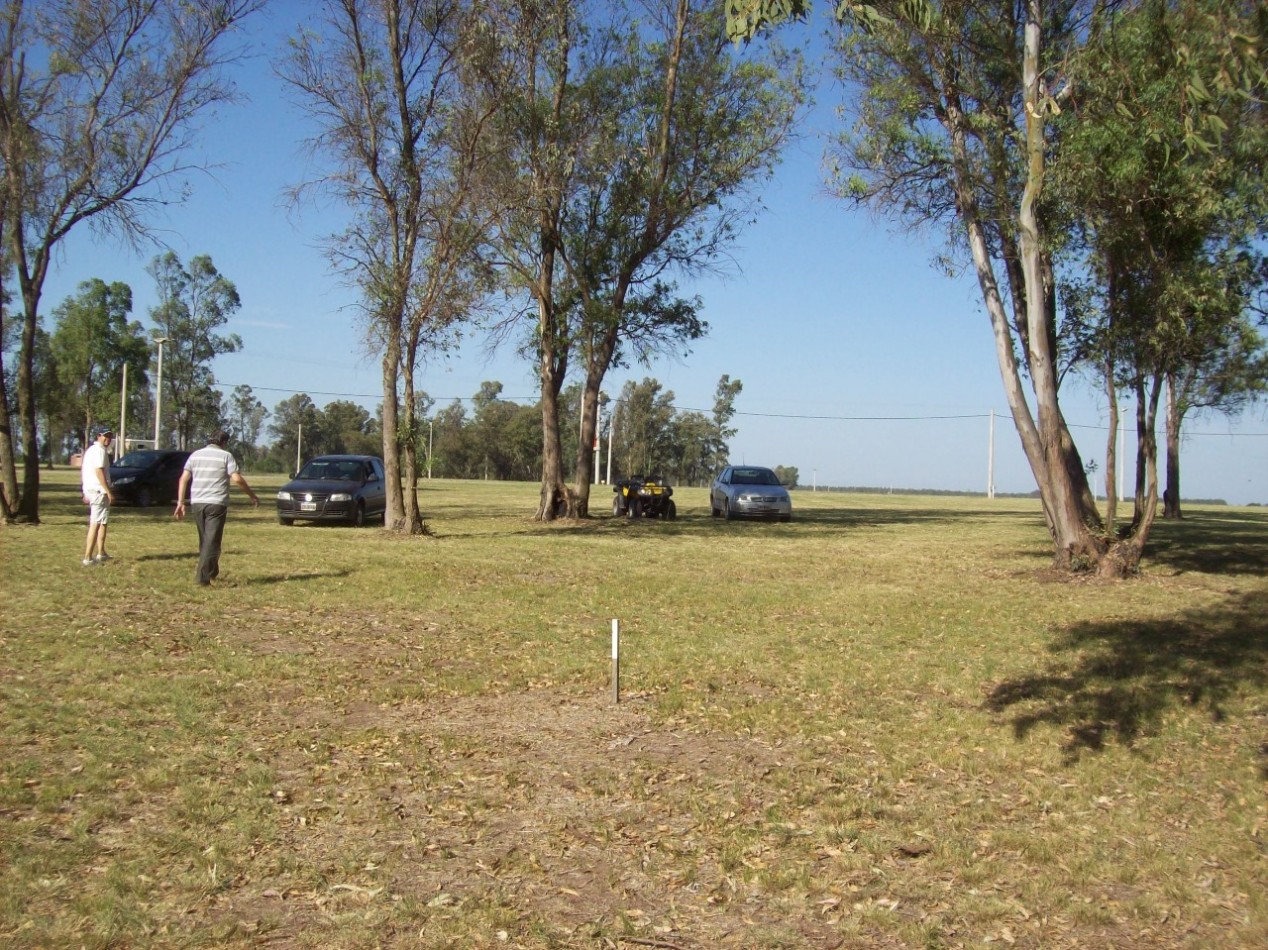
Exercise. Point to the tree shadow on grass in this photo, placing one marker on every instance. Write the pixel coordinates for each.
(1121, 678)
(1214, 542)
(697, 521)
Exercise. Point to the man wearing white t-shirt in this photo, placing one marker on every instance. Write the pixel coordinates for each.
(94, 478)
(208, 473)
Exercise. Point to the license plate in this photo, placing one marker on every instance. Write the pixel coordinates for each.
(308, 506)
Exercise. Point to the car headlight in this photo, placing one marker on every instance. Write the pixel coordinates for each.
(341, 496)
(283, 496)
(126, 480)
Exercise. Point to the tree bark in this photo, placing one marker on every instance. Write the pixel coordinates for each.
(1111, 449)
(394, 516)
(556, 500)
(28, 507)
(413, 519)
(8, 468)
(1067, 500)
(1171, 496)
(598, 361)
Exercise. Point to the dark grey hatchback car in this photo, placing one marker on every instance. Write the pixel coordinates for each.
(347, 488)
(147, 477)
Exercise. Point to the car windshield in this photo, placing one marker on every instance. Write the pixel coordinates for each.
(138, 458)
(753, 476)
(339, 470)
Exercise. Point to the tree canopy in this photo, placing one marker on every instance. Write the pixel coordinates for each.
(99, 103)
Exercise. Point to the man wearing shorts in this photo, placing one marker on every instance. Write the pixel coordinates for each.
(94, 477)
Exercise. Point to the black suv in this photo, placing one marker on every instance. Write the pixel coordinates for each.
(147, 477)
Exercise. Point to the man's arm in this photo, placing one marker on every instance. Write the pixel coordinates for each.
(181, 488)
(241, 482)
(103, 481)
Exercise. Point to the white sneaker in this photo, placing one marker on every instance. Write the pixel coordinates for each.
(103, 556)
(89, 561)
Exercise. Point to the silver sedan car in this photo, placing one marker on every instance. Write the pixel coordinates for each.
(749, 491)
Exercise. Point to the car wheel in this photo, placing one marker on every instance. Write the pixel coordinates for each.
(726, 510)
(636, 508)
(144, 499)
(358, 516)
(616, 506)
(671, 511)
(714, 511)
(287, 522)
(785, 518)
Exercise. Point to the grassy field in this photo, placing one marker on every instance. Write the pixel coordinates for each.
(887, 724)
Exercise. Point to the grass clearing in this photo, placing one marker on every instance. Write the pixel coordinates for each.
(886, 724)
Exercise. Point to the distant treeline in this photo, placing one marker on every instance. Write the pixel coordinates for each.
(873, 490)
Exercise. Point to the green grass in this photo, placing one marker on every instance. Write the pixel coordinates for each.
(886, 724)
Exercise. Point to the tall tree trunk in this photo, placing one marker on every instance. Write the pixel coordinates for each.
(1111, 449)
(28, 507)
(8, 467)
(1068, 504)
(599, 360)
(556, 499)
(394, 516)
(413, 518)
(1147, 400)
(1075, 541)
(1171, 496)
(586, 442)
(1124, 555)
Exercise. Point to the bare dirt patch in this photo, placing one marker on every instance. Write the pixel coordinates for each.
(579, 814)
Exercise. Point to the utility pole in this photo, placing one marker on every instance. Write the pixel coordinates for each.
(990, 460)
(158, 391)
(123, 417)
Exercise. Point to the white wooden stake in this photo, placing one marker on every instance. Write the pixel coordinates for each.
(616, 661)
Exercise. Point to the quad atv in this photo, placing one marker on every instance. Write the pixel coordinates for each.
(640, 497)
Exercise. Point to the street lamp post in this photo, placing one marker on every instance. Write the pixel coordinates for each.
(158, 389)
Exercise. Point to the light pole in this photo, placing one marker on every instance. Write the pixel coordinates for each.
(158, 389)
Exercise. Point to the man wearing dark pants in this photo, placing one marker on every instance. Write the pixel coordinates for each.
(206, 479)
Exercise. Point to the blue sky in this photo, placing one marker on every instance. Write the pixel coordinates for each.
(861, 364)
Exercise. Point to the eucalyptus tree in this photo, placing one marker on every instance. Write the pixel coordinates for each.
(349, 428)
(538, 63)
(245, 414)
(1225, 369)
(297, 431)
(954, 106)
(691, 131)
(99, 101)
(452, 453)
(632, 137)
(379, 77)
(956, 101)
(92, 341)
(643, 429)
(194, 303)
(1171, 238)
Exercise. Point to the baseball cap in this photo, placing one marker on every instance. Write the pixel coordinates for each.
(99, 431)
